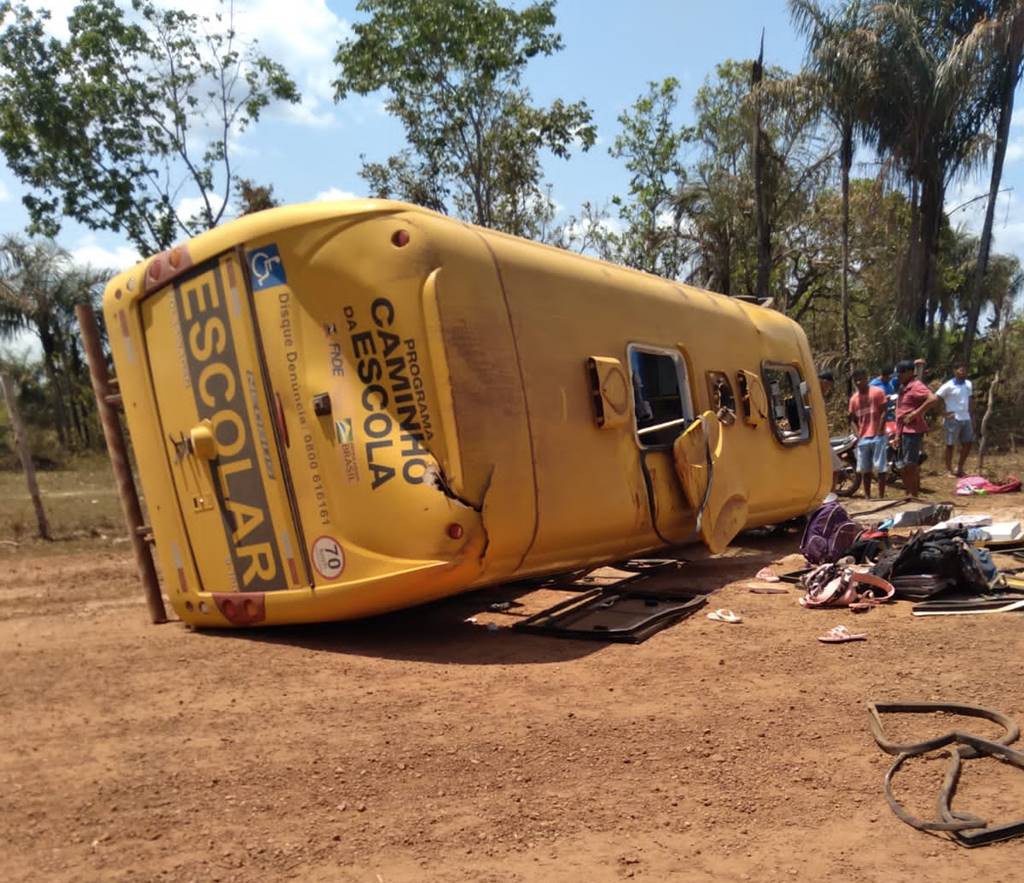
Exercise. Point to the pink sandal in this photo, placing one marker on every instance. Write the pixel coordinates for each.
(840, 635)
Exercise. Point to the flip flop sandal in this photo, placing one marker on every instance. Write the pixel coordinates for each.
(840, 635)
(766, 574)
(723, 615)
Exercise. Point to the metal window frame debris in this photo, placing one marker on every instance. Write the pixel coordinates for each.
(602, 611)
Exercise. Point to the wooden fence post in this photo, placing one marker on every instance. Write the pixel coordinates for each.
(119, 461)
(25, 455)
(983, 432)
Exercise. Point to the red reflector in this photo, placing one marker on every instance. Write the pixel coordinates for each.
(455, 531)
(400, 238)
(241, 608)
(166, 266)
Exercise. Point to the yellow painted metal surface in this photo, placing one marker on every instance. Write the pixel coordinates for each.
(346, 408)
(714, 486)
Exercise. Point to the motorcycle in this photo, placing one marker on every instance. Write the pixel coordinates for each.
(848, 481)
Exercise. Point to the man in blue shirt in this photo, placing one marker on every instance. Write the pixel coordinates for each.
(890, 386)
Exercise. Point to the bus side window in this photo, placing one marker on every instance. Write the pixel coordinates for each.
(723, 402)
(790, 417)
(660, 395)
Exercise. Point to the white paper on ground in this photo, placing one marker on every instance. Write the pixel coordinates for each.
(964, 521)
(1002, 530)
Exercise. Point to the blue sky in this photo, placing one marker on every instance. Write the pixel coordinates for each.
(611, 52)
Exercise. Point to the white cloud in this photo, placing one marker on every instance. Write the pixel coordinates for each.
(1015, 149)
(59, 11)
(666, 220)
(1009, 237)
(577, 229)
(88, 251)
(5, 193)
(965, 204)
(189, 207)
(332, 193)
(302, 35)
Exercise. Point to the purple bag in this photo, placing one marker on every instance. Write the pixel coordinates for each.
(829, 534)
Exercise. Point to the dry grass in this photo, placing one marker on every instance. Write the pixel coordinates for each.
(81, 505)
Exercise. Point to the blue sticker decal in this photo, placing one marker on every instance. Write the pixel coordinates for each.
(266, 268)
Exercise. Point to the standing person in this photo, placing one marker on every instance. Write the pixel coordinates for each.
(890, 386)
(956, 393)
(915, 400)
(826, 381)
(867, 414)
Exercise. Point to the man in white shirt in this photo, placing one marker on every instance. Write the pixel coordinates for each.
(956, 393)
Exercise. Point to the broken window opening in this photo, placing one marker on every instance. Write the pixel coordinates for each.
(661, 396)
(790, 416)
(723, 401)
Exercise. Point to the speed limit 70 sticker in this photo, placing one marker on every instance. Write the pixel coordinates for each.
(328, 557)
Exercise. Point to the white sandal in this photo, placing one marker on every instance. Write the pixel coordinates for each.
(840, 634)
(723, 615)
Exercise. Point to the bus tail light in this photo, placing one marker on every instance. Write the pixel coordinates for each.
(242, 608)
(165, 266)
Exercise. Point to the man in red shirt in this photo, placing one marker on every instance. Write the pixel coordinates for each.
(867, 414)
(915, 400)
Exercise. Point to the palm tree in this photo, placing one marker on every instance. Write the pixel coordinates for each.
(929, 115)
(39, 287)
(838, 65)
(1006, 50)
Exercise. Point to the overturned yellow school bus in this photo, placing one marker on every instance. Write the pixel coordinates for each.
(340, 409)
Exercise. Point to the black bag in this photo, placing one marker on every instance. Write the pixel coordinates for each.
(867, 551)
(943, 554)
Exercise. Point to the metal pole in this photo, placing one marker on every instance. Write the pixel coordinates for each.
(21, 446)
(119, 462)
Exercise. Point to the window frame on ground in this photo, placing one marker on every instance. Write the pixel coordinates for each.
(786, 434)
(664, 438)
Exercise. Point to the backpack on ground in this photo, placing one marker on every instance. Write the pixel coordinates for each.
(829, 534)
(943, 554)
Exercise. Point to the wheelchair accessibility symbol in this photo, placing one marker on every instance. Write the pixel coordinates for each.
(266, 268)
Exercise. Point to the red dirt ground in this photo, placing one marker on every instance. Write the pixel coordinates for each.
(424, 747)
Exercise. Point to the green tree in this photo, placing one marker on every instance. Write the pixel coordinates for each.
(1005, 44)
(133, 111)
(878, 224)
(928, 111)
(717, 202)
(836, 68)
(452, 71)
(253, 197)
(651, 145)
(39, 287)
